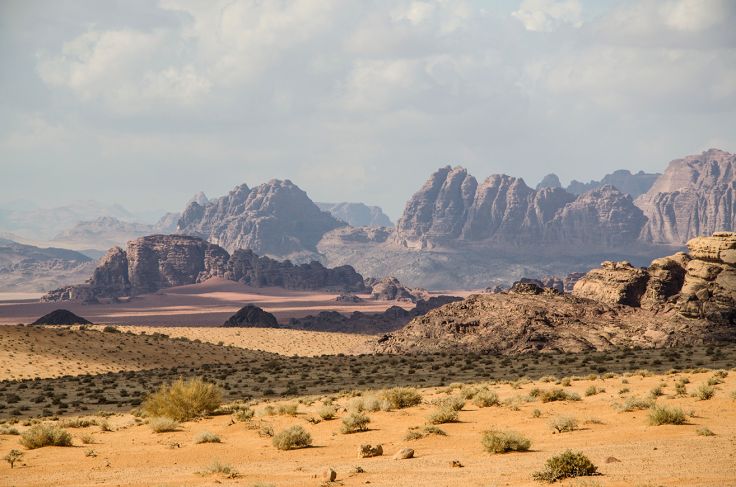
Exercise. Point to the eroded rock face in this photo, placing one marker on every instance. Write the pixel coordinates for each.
(276, 218)
(390, 289)
(452, 207)
(357, 214)
(613, 283)
(695, 196)
(160, 261)
(626, 182)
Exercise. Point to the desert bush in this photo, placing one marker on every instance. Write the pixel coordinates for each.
(504, 441)
(41, 435)
(265, 429)
(659, 415)
(183, 400)
(536, 413)
(223, 469)
(486, 398)
(402, 397)
(327, 412)
(680, 389)
(704, 431)
(656, 392)
(634, 404)
(456, 403)
(207, 437)
(442, 415)
(292, 438)
(566, 382)
(9, 430)
(287, 409)
(591, 391)
(355, 422)
(12, 457)
(705, 392)
(564, 424)
(558, 395)
(417, 433)
(77, 423)
(162, 424)
(568, 464)
(244, 414)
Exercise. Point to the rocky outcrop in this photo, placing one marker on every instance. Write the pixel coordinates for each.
(452, 208)
(357, 214)
(61, 317)
(695, 196)
(251, 315)
(622, 179)
(549, 181)
(390, 289)
(700, 284)
(160, 261)
(357, 322)
(276, 219)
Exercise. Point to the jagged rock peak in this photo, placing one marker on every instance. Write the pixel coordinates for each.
(695, 196)
(276, 218)
(357, 214)
(549, 181)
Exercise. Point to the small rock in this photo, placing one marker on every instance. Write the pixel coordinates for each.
(456, 464)
(367, 451)
(404, 454)
(329, 475)
(612, 460)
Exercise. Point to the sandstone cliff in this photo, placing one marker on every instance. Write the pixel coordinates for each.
(276, 219)
(160, 261)
(695, 196)
(622, 179)
(357, 214)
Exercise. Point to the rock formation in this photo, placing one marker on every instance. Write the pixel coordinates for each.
(276, 219)
(357, 214)
(390, 289)
(622, 179)
(549, 181)
(160, 261)
(251, 315)
(681, 299)
(695, 196)
(453, 208)
(61, 317)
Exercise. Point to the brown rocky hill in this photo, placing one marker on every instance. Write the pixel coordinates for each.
(160, 261)
(276, 219)
(685, 298)
(695, 196)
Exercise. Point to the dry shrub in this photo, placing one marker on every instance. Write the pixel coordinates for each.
(444, 414)
(660, 415)
(486, 398)
(354, 422)
(292, 438)
(207, 437)
(504, 441)
(402, 397)
(184, 400)
(558, 395)
(41, 435)
(162, 424)
(568, 464)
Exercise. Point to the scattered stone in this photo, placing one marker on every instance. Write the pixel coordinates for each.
(328, 475)
(404, 454)
(368, 451)
(612, 460)
(456, 464)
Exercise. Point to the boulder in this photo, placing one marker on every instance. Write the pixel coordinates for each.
(613, 283)
(404, 454)
(368, 451)
(251, 315)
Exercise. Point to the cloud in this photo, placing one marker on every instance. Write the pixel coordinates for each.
(549, 15)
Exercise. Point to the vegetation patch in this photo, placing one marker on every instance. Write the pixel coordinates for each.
(292, 438)
(505, 441)
(40, 435)
(184, 400)
(568, 464)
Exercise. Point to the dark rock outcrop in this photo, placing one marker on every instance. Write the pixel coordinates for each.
(251, 315)
(160, 261)
(357, 214)
(695, 196)
(61, 317)
(390, 289)
(276, 218)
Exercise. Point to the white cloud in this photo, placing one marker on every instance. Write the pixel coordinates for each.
(549, 15)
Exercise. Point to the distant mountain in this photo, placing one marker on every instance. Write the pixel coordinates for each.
(276, 219)
(549, 181)
(103, 232)
(25, 268)
(695, 196)
(631, 184)
(357, 214)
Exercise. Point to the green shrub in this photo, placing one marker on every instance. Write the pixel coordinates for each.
(444, 414)
(591, 391)
(486, 398)
(327, 412)
(207, 437)
(402, 397)
(504, 441)
(354, 422)
(292, 438)
(183, 400)
(705, 392)
(456, 403)
(659, 415)
(12, 457)
(163, 424)
(636, 404)
(564, 424)
(568, 464)
(245, 414)
(41, 435)
(558, 395)
(680, 389)
(288, 409)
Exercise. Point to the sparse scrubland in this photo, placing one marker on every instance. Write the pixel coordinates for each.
(283, 421)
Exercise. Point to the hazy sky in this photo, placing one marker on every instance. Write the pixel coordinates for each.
(145, 103)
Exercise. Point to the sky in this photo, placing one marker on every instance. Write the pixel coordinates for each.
(145, 103)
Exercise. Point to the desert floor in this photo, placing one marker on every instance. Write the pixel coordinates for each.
(626, 449)
(205, 304)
